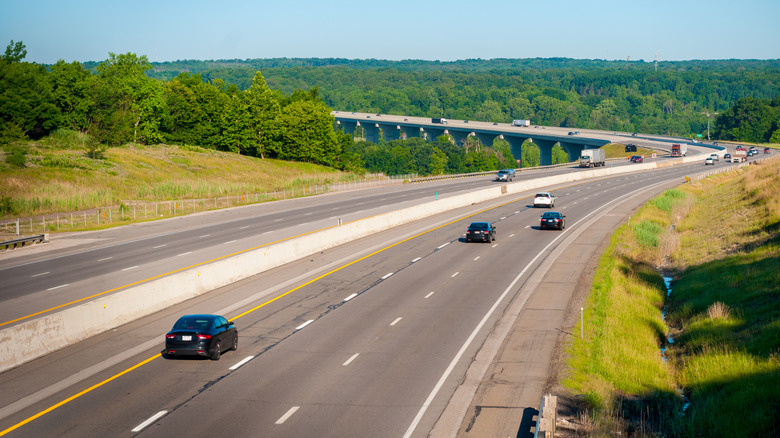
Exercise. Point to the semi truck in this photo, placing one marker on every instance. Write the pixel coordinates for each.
(679, 150)
(592, 158)
(443, 121)
(521, 123)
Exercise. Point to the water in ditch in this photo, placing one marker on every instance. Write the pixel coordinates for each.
(670, 339)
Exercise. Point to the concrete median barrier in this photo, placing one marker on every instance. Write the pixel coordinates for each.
(35, 338)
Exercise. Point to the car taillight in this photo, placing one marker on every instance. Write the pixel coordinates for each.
(204, 337)
(169, 336)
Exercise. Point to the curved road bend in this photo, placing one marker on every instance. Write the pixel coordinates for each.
(372, 338)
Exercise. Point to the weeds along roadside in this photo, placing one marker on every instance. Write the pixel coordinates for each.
(720, 240)
(58, 187)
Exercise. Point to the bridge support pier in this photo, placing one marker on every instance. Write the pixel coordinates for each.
(545, 151)
(486, 139)
(372, 132)
(574, 150)
(434, 133)
(515, 145)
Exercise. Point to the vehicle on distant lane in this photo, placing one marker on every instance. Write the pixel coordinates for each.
(505, 175)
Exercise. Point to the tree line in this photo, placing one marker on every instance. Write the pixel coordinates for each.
(284, 112)
(119, 103)
(679, 98)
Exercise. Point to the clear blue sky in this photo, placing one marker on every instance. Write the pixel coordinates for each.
(169, 30)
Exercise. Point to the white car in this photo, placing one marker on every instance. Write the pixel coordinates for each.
(709, 160)
(715, 157)
(544, 199)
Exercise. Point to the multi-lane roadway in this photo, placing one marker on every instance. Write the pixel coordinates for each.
(372, 338)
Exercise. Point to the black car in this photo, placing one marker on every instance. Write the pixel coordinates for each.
(481, 232)
(201, 335)
(552, 219)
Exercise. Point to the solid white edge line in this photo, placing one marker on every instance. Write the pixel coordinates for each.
(460, 353)
(397, 320)
(386, 276)
(304, 324)
(289, 413)
(245, 360)
(151, 420)
(350, 297)
(354, 356)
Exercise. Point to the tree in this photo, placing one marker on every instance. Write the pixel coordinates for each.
(14, 52)
(71, 89)
(129, 105)
(305, 133)
(26, 101)
(264, 108)
(749, 120)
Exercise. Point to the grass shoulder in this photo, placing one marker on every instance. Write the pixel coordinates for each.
(719, 238)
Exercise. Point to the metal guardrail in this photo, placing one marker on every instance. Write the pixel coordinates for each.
(22, 241)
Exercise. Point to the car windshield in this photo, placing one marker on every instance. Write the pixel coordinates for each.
(192, 323)
(479, 226)
(502, 172)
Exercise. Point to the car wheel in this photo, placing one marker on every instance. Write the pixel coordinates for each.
(217, 351)
(235, 344)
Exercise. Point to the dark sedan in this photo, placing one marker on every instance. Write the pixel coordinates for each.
(201, 335)
(554, 220)
(481, 232)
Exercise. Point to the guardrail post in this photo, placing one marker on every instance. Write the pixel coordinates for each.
(545, 423)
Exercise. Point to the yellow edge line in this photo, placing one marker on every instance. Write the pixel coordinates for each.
(144, 362)
(73, 397)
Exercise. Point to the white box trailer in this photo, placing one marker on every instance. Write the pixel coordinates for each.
(592, 158)
(521, 123)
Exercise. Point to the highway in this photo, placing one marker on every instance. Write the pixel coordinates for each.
(371, 338)
(85, 265)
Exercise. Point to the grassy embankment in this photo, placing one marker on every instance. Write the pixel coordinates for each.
(59, 177)
(720, 240)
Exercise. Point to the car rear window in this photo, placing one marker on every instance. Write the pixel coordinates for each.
(542, 195)
(479, 226)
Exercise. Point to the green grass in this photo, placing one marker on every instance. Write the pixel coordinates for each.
(723, 313)
(59, 177)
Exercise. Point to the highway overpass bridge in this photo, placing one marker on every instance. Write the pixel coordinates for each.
(392, 127)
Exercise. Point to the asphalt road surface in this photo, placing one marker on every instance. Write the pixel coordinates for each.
(373, 338)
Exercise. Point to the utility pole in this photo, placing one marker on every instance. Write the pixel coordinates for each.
(708, 114)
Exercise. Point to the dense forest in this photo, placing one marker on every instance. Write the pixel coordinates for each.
(284, 111)
(674, 98)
